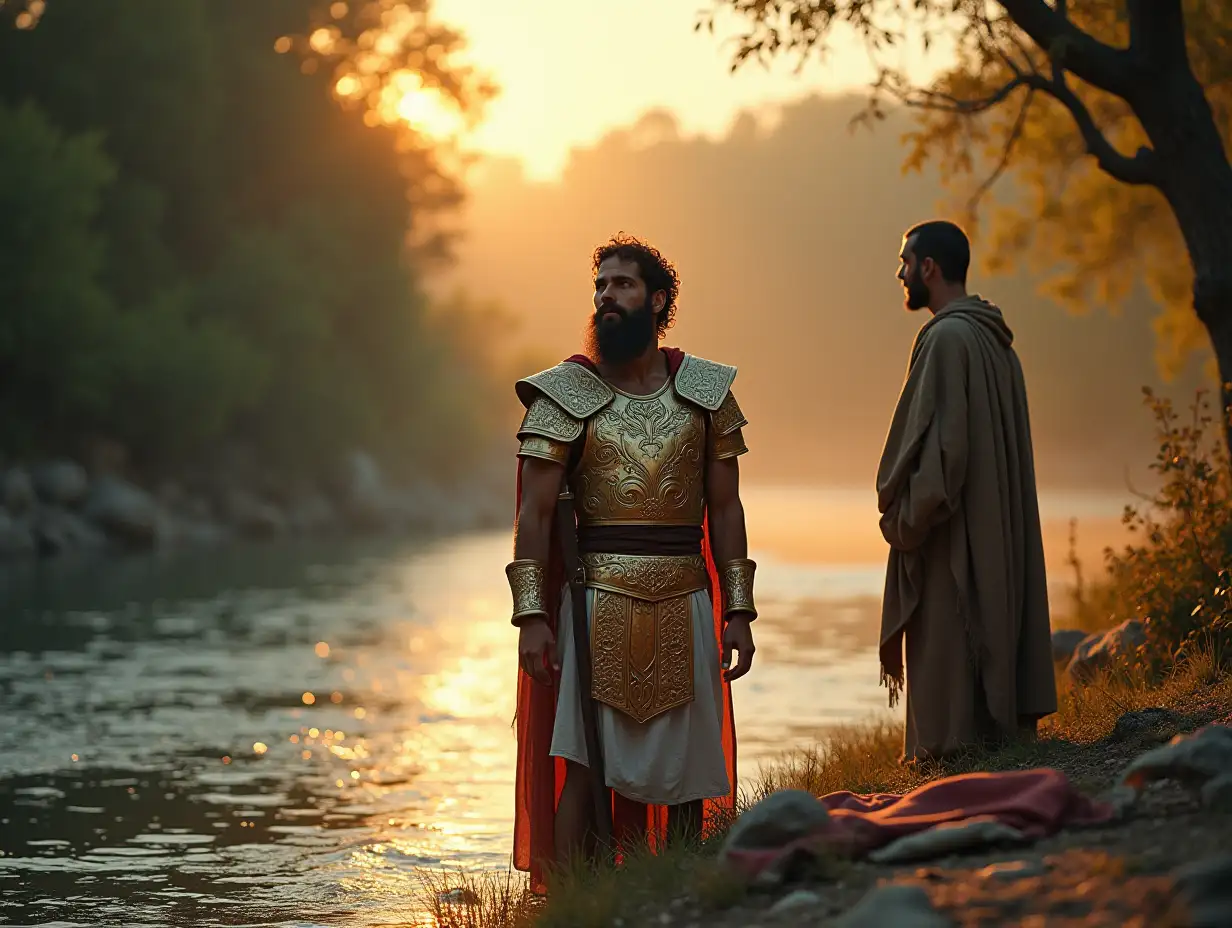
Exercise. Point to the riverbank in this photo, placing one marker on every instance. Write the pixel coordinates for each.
(57, 507)
(1129, 872)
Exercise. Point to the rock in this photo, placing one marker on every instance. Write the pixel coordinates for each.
(16, 538)
(176, 531)
(311, 512)
(57, 531)
(1217, 793)
(1064, 642)
(1122, 798)
(364, 496)
(772, 825)
(1193, 759)
(796, 901)
(17, 491)
(253, 517)
(1098, 652)
(896, 905)
(61, 483)
(1204, 893)
(947, 838)
(459, 896)
(1143, 720)
(777, 820)
(125, 512)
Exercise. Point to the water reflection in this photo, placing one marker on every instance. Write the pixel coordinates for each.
(284, 735)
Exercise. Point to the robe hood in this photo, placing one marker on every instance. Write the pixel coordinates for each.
(984, 315)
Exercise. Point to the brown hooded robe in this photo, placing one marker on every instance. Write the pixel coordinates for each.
(965, 582)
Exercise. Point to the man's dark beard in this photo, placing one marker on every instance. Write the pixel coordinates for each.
(917, 292)
(616, 342)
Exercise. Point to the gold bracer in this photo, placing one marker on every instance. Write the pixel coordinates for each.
(736, 582)
(528, 580)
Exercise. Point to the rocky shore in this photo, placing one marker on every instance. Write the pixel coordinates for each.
(58, 507)
(1163, 861)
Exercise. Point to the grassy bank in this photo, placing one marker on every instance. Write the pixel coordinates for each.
(1174, 579)
(861, 758)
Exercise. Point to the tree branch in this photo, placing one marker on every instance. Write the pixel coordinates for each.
(1157, 31)
(1006, 153)
(1108, 68)
(1140, 169)
(939, 100)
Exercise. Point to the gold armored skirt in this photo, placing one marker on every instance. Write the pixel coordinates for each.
(641, 639)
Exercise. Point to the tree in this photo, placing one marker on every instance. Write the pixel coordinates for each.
(213, 246)
(1112, 114)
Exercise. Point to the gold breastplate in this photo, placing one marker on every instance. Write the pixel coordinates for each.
(642, 463)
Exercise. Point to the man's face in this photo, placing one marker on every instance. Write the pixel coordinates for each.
(623, 325)
(911, 275)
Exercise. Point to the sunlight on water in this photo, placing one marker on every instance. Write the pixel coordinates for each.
(288, 735)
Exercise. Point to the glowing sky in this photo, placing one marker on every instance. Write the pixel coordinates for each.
(570, 70)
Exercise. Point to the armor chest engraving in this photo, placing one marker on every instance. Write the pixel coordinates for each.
(642, 462)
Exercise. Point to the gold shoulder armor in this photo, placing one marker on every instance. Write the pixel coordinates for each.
(703, 382)
(728, 417)
(546, 419)
(574, 388)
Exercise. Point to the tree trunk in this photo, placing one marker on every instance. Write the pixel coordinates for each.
(1197, 182)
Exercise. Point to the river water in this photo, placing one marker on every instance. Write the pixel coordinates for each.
(288, 734)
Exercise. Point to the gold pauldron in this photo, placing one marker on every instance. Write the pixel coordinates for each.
(528, 580)
(736, 582)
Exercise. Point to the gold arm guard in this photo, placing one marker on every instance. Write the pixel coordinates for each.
(528, 580)
(536, 446)
(736, 583)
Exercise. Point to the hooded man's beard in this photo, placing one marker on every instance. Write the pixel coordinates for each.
(918, 295)
(618, 341)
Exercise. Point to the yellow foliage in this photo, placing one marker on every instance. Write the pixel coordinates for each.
(1091, 239)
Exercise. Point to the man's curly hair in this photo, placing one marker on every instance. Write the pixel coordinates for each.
(657, 272)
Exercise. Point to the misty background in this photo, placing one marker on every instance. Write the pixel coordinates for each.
(786, 232)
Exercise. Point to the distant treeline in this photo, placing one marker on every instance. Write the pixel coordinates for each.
(201, 249)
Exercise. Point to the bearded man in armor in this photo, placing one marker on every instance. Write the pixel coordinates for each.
(642, 443)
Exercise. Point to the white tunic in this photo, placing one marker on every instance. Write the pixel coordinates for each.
(673, 758)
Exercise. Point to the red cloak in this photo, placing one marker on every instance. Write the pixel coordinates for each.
(540, 777)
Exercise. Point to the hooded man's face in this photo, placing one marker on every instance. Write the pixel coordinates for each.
(916, 294)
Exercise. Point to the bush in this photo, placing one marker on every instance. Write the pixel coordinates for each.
(1176, 575)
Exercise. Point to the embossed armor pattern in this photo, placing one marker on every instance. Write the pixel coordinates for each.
(546, 418)
(648, 577)
(578, 391)
(703, 382)
(728, 446)
(642, 463)
(641, 654)
(528, 584)
(536, 446)
(728, 417)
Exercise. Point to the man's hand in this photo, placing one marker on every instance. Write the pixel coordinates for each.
(737, 636)
(537, 651)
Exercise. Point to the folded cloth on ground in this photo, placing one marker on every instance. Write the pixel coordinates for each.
(1034, 803)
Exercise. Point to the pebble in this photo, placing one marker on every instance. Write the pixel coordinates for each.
(1014, 869)
(894, 905)
(799, 899)
(1217, 793)
(1204, 890)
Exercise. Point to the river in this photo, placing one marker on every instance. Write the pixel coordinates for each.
(287, 734)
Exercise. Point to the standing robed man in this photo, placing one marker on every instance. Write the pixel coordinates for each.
(965, 582)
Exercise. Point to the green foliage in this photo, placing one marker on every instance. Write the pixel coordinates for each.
(54, 314)
(204, 244)
(1175, 576)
